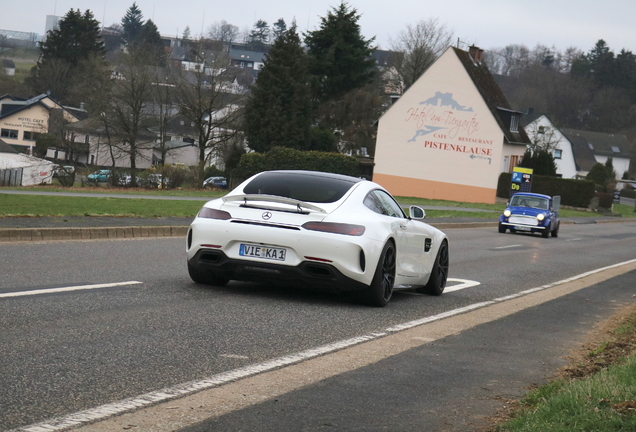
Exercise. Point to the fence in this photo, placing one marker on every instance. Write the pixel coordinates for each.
(11, 177)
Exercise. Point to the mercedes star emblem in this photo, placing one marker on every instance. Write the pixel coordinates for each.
(267, 216)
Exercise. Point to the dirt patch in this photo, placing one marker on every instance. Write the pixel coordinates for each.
(606, 344)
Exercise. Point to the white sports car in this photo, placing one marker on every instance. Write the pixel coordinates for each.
(317, 230)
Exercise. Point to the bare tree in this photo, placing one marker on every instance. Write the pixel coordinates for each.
(223, 32)
(542, 137)
(206, 98)
(418, 47)
(130, 113)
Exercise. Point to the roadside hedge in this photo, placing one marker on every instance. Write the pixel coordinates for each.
(575, 193)
(282, 158)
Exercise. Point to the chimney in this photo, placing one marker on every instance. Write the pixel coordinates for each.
(82, 105)
(475, 53)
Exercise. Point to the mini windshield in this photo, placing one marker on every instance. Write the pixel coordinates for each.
(304, 186)
(529, 201)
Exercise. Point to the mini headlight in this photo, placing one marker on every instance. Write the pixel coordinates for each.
(540, 216)
(507, 213)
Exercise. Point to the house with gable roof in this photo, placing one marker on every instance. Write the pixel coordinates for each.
(542, 131)
(601, 146)
(23, 120)
(450, 135)
(575, 151)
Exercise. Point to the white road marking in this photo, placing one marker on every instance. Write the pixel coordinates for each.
(233, 356)
(463, 283)
(65, 289)
(574, 239)
(508, 247)
(104, 411)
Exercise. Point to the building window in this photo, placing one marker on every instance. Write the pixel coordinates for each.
(615, 149)
(514, 124)
(30, 136)
(591, 146)
(557, 154)
(541, 129)
(86, 139)
(8, 133)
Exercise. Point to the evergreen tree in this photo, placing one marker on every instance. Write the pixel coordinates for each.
(279, 28)
(540, 160)
(259, 36)
(77, 38)
(340, 58)
(150, 44)
(278, 112)
(132, 24)
(66, 53)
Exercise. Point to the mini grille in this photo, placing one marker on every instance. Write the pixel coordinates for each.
(524, 220)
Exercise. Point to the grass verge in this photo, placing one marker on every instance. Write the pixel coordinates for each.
(597, 392)
(40, 205)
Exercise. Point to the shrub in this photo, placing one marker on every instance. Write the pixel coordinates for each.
(575, 193)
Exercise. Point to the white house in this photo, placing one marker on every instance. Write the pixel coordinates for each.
(540, 130)
(450, 135)
(602, 146)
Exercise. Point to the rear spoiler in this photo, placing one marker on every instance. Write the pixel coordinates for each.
(274, 199)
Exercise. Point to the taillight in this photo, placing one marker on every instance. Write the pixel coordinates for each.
(335, 228)
(214, 214)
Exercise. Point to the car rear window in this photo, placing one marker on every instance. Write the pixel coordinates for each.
(302, 186)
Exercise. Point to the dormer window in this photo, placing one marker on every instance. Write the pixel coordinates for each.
(514, 123)
(615, 149)
(591, 146)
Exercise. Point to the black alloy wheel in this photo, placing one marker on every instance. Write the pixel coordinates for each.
(439, 273)
(381, 289)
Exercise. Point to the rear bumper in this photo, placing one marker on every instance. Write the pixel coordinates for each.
(307, 274)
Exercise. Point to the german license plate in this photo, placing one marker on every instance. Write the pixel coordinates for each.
(522, 228)
(266, 252)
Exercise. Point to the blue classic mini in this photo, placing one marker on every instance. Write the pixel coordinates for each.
(531, 212)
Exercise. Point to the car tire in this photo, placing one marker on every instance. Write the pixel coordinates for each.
(207, 278)
(381, 289)
(546, 233)
(555, 233)
(439, 272)
(502, 228)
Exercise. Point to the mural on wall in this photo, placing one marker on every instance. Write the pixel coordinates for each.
(448, 125)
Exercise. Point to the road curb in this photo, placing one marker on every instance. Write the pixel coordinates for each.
(15, 235)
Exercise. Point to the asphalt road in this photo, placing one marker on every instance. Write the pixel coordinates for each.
(70, 351)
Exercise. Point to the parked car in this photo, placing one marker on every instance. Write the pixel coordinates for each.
(100, 176)
(530, 212)
(317, 230)
(219, 182)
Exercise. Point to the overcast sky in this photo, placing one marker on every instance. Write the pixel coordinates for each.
(486, 23)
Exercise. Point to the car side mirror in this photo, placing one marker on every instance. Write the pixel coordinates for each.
(417, 212)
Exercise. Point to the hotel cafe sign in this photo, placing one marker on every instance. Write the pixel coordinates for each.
(441, 123)
(26, 123)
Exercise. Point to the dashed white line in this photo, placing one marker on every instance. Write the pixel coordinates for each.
(573, 239)
(509, 246)
(66, 289)
(131, 404)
